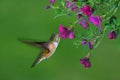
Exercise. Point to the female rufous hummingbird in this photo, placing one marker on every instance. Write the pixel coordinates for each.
(47, 48)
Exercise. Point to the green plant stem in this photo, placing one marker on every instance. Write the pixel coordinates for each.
(74, 23)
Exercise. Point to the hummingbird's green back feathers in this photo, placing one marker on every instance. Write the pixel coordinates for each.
(55, 37)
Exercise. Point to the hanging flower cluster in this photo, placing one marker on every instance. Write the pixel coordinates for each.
(90, 25)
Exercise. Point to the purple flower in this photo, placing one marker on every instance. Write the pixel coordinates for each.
(84, 42)
(79, 10)
(87, 10)
(74, 8)
(79, 16)
(65, 32)
(52, 1)
(71, 34)
(85, 62)
(112, 35)
(96, 20)
(84, 23)
(90, 45)
(69, 4)
(48, 7)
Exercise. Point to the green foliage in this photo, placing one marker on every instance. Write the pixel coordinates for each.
(63, 3)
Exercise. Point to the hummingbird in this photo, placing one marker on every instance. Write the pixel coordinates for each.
(47, 48)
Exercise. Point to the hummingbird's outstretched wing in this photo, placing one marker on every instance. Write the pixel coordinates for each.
(41, 56)
(36, 43)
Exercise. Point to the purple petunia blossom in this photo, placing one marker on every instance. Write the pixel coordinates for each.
(48, 7)
(84, 23)
(85, 42)
(87, 10)
(66, 33)
(69, 3)
(86, 62)
(71, 34)
(79, 10)
(90, 45)
(74, 8)
(52, 1)
(79, 16)
(112, 35)
(96, 20)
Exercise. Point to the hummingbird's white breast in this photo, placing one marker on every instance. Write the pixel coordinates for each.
(56, 44)
(52, 48)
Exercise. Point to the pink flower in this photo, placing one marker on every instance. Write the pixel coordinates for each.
(84, 23)
(65, 32)
(90, 45)
(52, 1)
(48, 7)
(86, 62)
(112, 35)
(79, 16)
(96, 20)
(74, 8)
(87, 10)
(84, 42)
(69, 3)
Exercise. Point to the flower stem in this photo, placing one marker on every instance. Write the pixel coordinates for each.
(74, 23)
(101, 38)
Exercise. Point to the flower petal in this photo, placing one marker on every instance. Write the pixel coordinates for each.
(74, 8)
(52, 1)
(87, 10)
(84, 23)
(96, 20)
(48, 7)
(90, 45)
(84, 42)
(79, 16)
(86, 62)
(63, 29)
(71, 34)
(112, 35)
(66, 33)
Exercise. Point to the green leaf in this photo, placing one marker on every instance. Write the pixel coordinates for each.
(118, 31)
(108, 25)
(62, 2)
(113, 20)
(58, 11)
(58, 15)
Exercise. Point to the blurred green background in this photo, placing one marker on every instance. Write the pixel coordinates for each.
(29, 19)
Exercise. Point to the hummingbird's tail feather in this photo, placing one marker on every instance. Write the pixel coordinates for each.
(37, 61)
